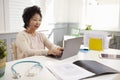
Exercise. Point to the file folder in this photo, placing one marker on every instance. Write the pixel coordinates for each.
(95, 44)
(95, 67)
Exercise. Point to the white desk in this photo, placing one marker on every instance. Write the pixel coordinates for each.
(46, 75)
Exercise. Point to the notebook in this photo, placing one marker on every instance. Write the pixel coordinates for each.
(79, 70)
(95, 67)
(71, 48)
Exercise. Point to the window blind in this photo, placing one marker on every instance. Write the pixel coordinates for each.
(16, 8)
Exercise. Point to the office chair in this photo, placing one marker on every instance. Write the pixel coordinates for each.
(14, 50)
(115, 42)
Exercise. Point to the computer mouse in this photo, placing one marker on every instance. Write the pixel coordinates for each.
(86, 49)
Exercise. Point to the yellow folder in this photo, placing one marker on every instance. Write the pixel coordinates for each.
(95, 44)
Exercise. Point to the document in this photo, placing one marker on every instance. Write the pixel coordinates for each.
(79, 70)
(94, 35)
(68, 71)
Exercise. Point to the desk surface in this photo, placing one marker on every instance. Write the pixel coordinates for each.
(46, 75)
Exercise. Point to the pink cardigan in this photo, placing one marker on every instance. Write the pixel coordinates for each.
(28, 45)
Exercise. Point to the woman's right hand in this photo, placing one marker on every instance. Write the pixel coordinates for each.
(55, 52)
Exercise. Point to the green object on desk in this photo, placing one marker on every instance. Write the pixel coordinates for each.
(75, 32)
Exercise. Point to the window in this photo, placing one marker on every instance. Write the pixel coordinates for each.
(101, 14)
(14, 11)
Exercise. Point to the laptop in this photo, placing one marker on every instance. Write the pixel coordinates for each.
(71, 48)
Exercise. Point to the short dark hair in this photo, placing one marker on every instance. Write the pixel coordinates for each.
(29, 12)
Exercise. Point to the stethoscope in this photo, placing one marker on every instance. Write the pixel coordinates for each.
(16, 75)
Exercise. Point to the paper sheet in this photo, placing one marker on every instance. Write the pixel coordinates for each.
(68, 71)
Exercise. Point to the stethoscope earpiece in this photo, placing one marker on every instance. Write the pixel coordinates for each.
(16, 76)
(30, 75)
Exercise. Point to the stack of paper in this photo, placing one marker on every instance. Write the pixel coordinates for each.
(110, 54)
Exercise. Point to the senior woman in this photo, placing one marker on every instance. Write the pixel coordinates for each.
(29, 42)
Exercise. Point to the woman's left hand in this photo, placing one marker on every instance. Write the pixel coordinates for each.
(60, 48)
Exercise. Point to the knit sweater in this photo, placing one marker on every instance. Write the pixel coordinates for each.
(28, 45)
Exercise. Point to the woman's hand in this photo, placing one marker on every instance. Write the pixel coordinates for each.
(56, 52)
(60, 48)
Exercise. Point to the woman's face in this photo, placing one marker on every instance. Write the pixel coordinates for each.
(35, 22)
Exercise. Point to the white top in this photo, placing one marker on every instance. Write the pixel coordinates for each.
(28, 45)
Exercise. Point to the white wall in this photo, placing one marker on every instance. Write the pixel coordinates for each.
(61, 11)
(75, 10)
(1, 17)
(68, 11)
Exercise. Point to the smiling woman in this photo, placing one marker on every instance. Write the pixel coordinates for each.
(29, 42)
(32, 18)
